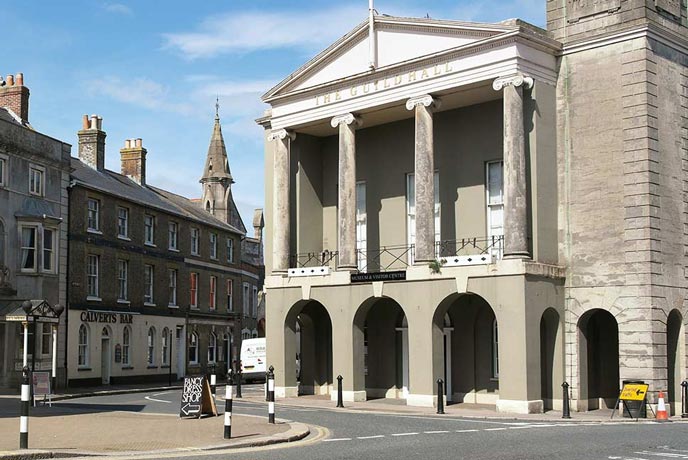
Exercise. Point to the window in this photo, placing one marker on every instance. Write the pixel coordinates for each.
(230, 250)
(122, 222)
(165, 347)
(122, 279)
(193, 282)
(246, 299)
(230, 291)
(93, 216)
(149, 229)
(148, 277)
(254, 302)
(3, 171)
(495, 203)
(195, 240)
(411, 213)
(49, 251)
(245, 334)
(361, 227)
(83, 346)
(227, 342)
(193, 348)
(173, 287)
(46, 336)
(92, 269)
(126, 344)
(213, 291)
(212, 348)
(254, 334)
(495, 350)
(151, 346)
(36, 174)
(172, 234)
(28, 248)
(213, 246)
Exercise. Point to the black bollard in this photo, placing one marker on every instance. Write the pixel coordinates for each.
(566, 412)
(684, 402)
(440, 396)
(340, 396)
(271, 395)
(24, 414)
(238, 379)
(228, 405)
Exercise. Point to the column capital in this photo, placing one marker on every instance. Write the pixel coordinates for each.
(281, 134)
(426, 100)
(513, 80)
(347, 118)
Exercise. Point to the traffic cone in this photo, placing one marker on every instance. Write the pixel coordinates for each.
(661, 409)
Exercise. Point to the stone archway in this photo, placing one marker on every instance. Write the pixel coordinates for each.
(598, 342)
(676, 346)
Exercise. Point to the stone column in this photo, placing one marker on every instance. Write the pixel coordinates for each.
(424, 176)
(280, 199)
(515, 199)
(346, 209)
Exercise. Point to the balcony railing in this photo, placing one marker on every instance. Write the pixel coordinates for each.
(390, 258)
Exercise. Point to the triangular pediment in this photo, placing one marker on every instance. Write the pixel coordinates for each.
(398, 40)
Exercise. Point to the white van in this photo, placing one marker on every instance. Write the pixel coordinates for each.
(253, 358)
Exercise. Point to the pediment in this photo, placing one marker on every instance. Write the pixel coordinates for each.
(397, 40)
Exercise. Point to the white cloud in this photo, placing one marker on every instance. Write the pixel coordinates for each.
(251, 31)
(118, 8)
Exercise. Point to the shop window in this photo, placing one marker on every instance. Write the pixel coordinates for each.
(83, 358)
(126, 346)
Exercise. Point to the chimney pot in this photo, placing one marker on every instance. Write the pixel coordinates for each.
(84, 122)
(139, 143)
(15, 96)
(127, 144)
(20, 79)
(10, 80)
(92, 143)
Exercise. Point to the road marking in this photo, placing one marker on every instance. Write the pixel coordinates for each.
(496, 429)
(371, 437)
(661, 454)
(404, 434)
(435, 432)
(336, 439)
(163, 393)
(157, 400)
(466, 431)
(521, 427)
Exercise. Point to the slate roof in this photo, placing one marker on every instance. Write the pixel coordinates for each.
(118, 185)
(10, 117)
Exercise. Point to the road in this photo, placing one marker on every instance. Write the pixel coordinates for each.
(364, 435)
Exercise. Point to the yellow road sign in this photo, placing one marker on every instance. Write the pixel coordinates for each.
(633, 392)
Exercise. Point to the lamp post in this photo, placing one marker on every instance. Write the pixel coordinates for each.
(58, 309)
(26, 305)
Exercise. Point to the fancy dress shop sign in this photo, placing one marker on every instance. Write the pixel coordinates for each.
(196, 398)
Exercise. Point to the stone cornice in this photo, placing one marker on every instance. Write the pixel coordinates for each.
(649, 31)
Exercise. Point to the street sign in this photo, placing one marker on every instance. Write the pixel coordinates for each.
(634, 392)
(196, 398)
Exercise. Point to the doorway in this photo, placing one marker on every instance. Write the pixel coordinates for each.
(105, 357)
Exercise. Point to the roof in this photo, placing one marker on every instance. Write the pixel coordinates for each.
(8, 115)
(116, 184)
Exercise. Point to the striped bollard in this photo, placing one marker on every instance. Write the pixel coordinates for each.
(213, 386)
(228, 406)
(271, 395)
(24, 415)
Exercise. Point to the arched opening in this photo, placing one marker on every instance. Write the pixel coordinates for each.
(598, 339)
(551, 358)
(676, 346)
(382, 326)
(470, 359)
(308, 348)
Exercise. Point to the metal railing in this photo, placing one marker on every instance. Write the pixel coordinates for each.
(315, 259)
(471, 246)
(384, 259)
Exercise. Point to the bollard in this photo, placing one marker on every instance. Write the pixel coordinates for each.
(340, 398)
(266, 386)
(684, 402)
(440, 396)
(228, 405)
(213, 385)
(238, 379)
(271, 395)
(24, 414)
(566, 410)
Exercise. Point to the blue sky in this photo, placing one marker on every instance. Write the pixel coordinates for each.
(153, 69)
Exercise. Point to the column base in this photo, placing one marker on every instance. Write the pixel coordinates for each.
(517, 255)
(511, 406)
(350, 396)
(286, 392)
(421, 400)
(347, 268)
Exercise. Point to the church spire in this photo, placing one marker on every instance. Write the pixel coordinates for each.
(216, 164)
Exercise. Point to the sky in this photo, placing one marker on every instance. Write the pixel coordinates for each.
(153, 69)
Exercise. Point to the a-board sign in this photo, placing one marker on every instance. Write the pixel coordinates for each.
(634, 392)
(196, 398)
(41, 383)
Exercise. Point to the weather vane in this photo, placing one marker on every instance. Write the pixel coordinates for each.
(217, 107)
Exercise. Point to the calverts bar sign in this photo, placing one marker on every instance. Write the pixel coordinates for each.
(383, 276)
(106, 317)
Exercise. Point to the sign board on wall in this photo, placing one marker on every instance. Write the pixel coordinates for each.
(672, 7)
(196, 398)
(578, 9)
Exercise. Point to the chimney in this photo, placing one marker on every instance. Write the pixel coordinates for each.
(258, 224)
(134, 160)
(92, 142)
(15, 96)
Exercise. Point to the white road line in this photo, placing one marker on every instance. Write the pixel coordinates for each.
(662, 454)
(521, 427)
(466, 431)
(163, 393)
(157, 400)
(371, 437)
(336, 439)
(404, 434)
(495, 429)
(435, 432)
